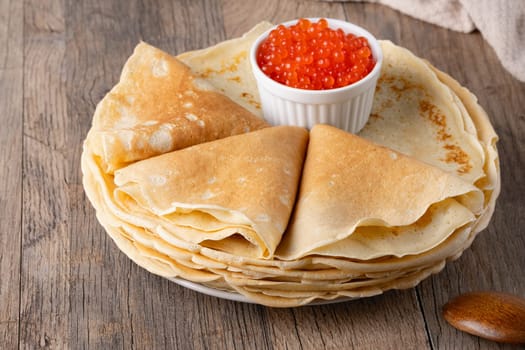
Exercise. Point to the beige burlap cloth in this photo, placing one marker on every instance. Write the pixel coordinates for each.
(500, 22)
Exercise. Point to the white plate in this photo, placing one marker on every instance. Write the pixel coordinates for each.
(239, 297)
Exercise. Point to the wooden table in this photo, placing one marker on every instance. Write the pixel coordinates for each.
(63, 282)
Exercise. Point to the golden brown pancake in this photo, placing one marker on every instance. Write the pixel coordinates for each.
(159, 106)
(234, 194)
(363, 201)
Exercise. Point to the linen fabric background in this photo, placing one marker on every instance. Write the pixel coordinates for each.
(501, 23)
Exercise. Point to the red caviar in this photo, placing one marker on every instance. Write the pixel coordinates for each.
(313, 56)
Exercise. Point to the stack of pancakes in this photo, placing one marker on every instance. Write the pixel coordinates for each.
(191, 183)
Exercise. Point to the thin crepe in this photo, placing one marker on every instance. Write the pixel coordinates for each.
(159, 106)
(361, 200)
(416, 114)
(217, 192)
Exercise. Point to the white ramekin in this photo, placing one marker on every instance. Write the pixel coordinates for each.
(347, 107)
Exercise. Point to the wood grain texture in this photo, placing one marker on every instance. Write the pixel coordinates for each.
(63, 282)
(44, 311)
(240, 16)
(11, 109)
(99, 285)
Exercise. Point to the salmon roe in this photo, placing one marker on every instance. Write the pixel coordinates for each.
(313, 56)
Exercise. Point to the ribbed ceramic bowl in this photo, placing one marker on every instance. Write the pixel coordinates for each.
(347, 107)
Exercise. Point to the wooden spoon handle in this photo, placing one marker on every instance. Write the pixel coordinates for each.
(491, 315)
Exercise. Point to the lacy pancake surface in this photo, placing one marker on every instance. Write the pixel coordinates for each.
(417, 115)
(159, 106)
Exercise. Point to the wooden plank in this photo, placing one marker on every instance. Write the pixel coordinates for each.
(44, 310)
(240, 16)
(359, 324)
(11, 109)
(98, 46)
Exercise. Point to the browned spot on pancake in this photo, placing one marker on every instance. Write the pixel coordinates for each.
(376, 116)
(236, 79)
(456, 155)
(229, 68)
(385, 79)
(433, 113)
(387, 104)
(398, 85)
(207, 73)
(396, 230)
(235, 62)
(251, 99)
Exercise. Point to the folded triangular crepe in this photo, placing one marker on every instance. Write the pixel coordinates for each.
(159, 106)
(234, 195)
(360, 200)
